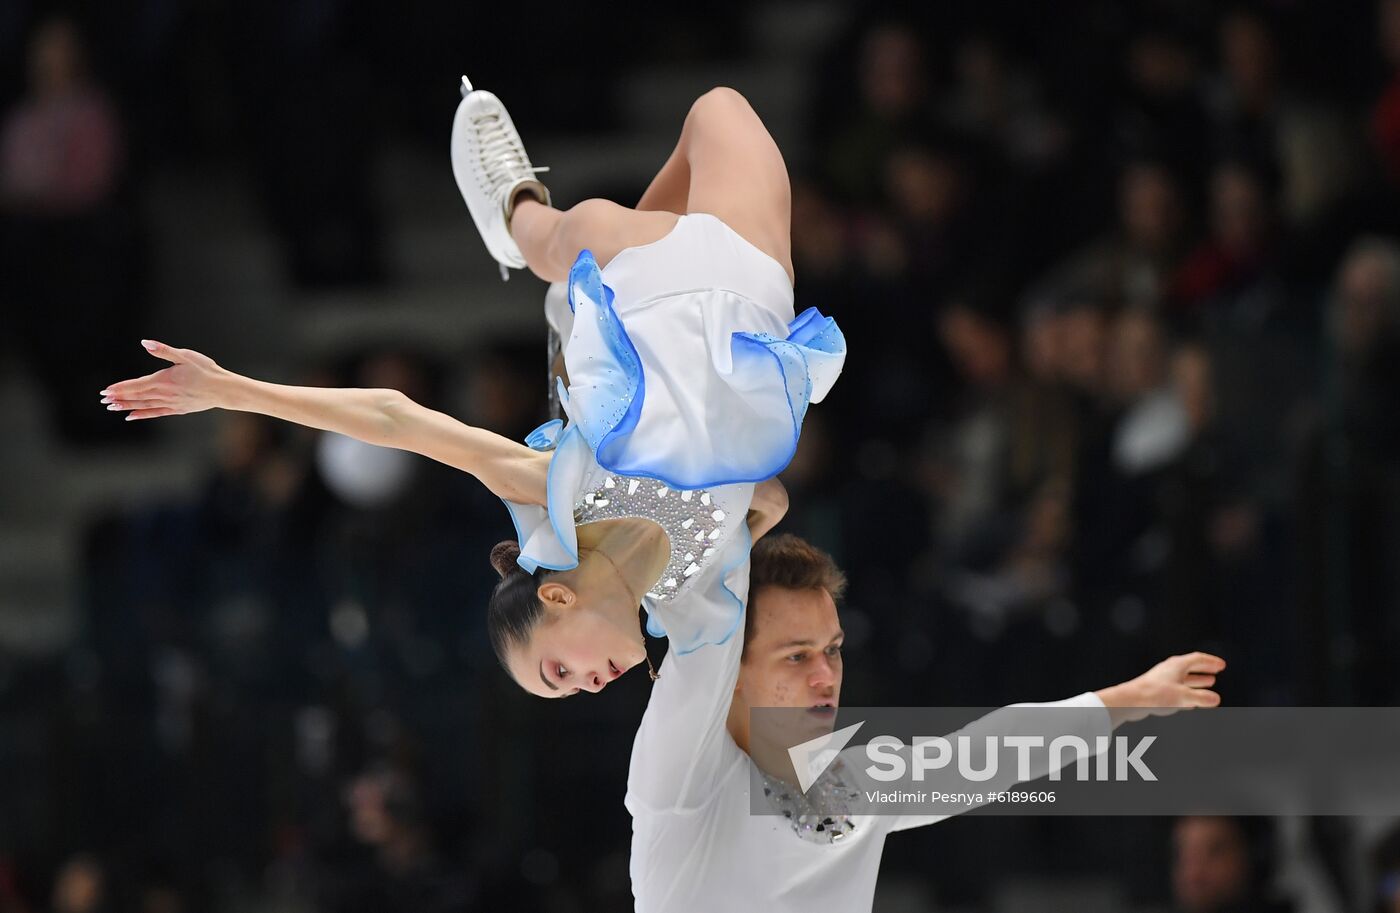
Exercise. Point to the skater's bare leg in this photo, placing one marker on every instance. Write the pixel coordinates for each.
(550, 239)
(669, 191)
(737, 172)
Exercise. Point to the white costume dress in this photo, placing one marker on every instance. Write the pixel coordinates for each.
(689, 377)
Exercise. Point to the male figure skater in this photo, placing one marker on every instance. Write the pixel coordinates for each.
(696, 846)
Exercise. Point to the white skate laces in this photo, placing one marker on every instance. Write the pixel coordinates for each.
(502, 156)
(492, 169)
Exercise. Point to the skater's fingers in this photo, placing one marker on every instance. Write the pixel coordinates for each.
(1200, 680)
(134, 385)
(130, 405)
(152, 413)
(1199, 662)
(161, 350)
(1206, 662)
(1202, 697)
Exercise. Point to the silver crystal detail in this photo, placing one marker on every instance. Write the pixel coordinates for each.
(689, 521)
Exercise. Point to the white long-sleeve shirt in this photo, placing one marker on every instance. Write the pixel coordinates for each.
(696, 846)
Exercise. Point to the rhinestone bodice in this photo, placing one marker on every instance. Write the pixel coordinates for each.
(825, 813)
(692, 520)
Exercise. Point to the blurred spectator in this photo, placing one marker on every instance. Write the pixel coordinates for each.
(1202, 530)
(402, 871)
(1082, 344)
(500, 394)
(67, 246)
(1134, 431)
(1223, 865)
(928, 188)
(61, 148)
(80, 887)
(1133, 265)
(1250, 65)
(821, 248)
(1243, 233)
(974, 491)
(892, 108)
(1349, 513)
(1221, 583)
(1000, 472)
(1261, 115)
(1153, 429)
(1163, 115)
(995, 101)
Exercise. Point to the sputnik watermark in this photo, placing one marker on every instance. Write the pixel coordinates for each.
(887, 756)
(977, 759)
(1234, 761)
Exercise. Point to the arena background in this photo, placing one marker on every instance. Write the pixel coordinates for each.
(1122, 291)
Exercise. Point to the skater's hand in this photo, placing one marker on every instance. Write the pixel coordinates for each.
(768, 507)
(193, 383)
(1176, 683)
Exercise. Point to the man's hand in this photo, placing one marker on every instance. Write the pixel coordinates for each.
(1176, 683)
(769, 505)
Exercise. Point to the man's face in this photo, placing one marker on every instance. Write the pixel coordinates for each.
(794, 658)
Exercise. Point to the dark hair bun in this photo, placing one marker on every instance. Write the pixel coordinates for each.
(503, 556)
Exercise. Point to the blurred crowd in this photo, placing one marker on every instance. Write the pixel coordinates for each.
(1121, 285)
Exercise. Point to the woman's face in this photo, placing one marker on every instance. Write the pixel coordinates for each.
(583, 642)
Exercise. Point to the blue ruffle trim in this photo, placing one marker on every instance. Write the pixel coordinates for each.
(544, 543)
(808, 361)
(624, 390)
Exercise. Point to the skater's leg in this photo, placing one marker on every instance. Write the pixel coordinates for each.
(737, 172)
(726, 164)
(551, 238)
(669, 191)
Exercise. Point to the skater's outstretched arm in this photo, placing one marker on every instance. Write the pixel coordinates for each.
(1176, 683)
(387, 418)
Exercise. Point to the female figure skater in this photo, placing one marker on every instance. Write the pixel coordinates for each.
(688, 374)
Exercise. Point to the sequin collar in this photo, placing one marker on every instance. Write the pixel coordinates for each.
(824, 813)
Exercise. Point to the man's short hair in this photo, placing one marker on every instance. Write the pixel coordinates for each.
(786, 561)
